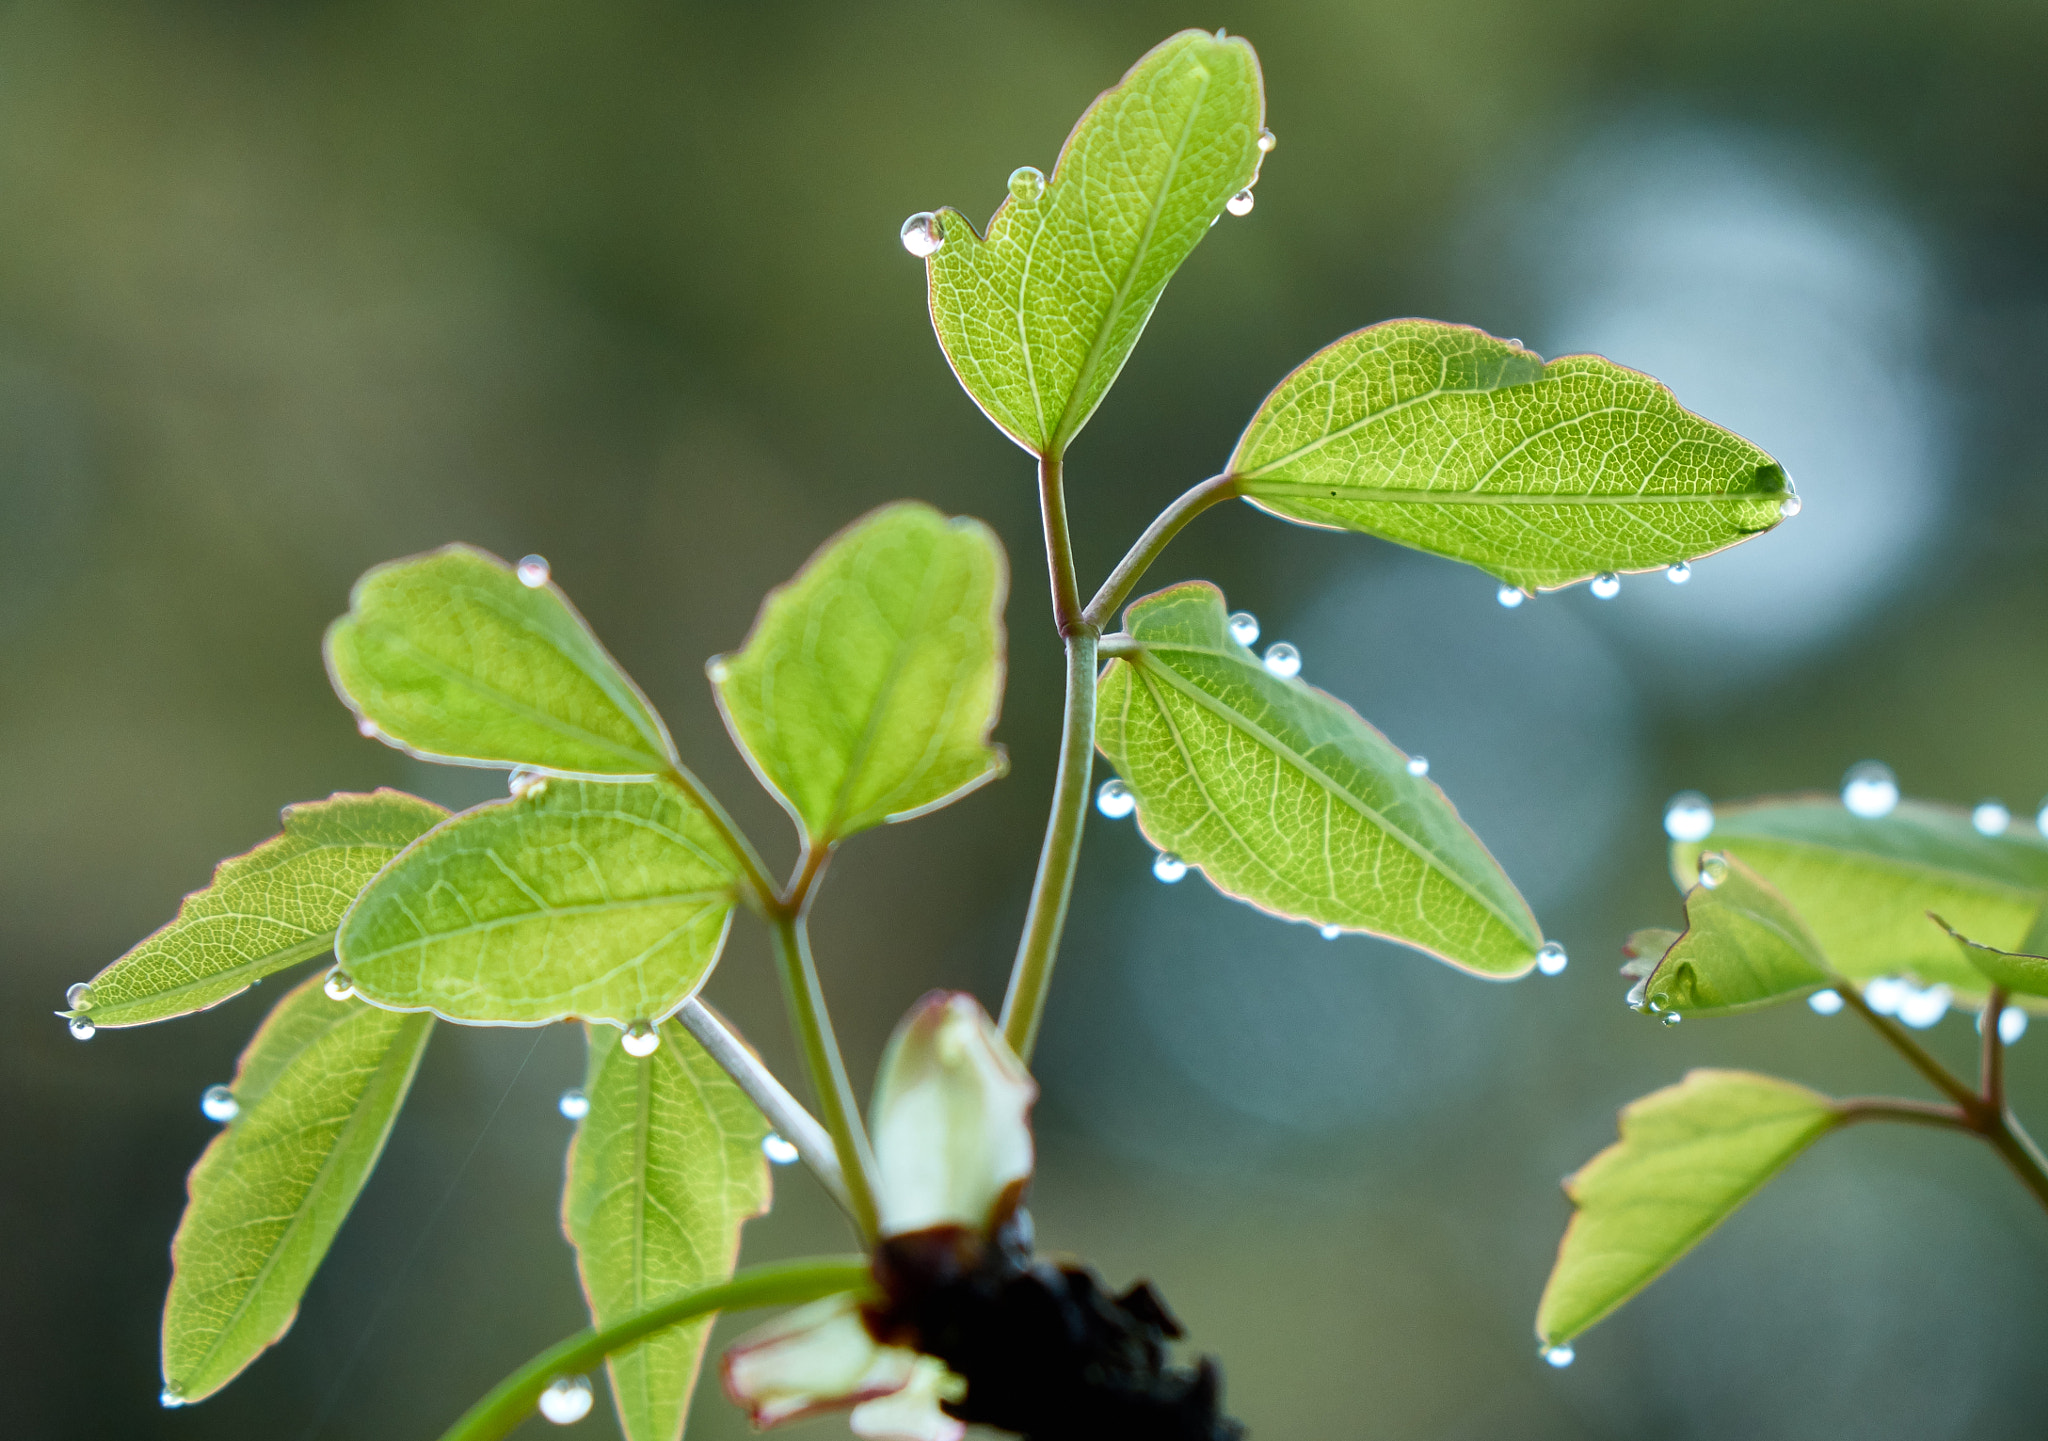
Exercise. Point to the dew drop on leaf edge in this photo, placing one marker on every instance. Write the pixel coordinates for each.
(171, 1397)
(1990, 818)
(1551, 959)
(1027, 183)
(1509, 596)
(1330, 933)
(368, 729)
(923, 235)
(218, 1103)
(778, 1150)
(1673, 1019)
(1825, 1003)
(1240, 203)
(573, 1104)
(533, 571)
(1169, 867)
(1606, 585)
(1418, 765)
(82, 1029)
(567, 1400)
(338, 985)
(1689, 816)
(1283, 660)
(1790, 506)
(1679, 574)
(526, 781)
(1559, 1356)
(1114, 799)
(1244, 627)
(641, 1039)
(78, 997)
(1267, 140)
(1870, 790)
(1713, 870)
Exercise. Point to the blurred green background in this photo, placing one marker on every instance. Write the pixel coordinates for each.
(287, 289)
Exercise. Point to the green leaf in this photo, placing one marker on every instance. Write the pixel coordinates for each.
(1688, 1156)
(265, 911)
(1743, 948)
(608, 902)
(319, 1087)
(868, 687)
(1443, 438)
(664, 1170)
(1287, 799)
(450, 656)
(1864, 885)
(1038, 319)
(2020, 972)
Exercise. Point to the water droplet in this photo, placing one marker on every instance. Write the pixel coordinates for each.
(533, 571)
(79, 997)
(1115, 800)
(339, 986)
(1169, 867)
(719, 668)
(1027, 183)
(1990, 818)
(1418, 765)
(1283, 660)
(1678, 574)
(83, 1029)
(1658, 1002)
(1244, 627)
(923, 234)
(1921, 1009)
(1825, 1003)
(2012, 1024)
(1559, 1356)
(526, 781)
(1509, 597)
(1673, 1019)
(567, 1401)
(218, 1103)
(2041, 819)
(641, 1039)
(1267, 140)
(781, 1152)
(172, 1396)
(1870, 790)
(1606, 585)
(1883, 994)
(1551, 959)
(573, 1104)
(1634, 998)
(1689, 816)
(1330, 933)
(368, 729)
(1713, 870)
(1789, 506)
(1240, 203)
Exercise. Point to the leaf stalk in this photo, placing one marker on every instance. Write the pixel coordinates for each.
(1131, 569)
(827, 1067)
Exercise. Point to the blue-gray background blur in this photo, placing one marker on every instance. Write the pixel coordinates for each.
(287, 289)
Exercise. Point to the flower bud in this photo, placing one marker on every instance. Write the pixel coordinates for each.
(816, 1358)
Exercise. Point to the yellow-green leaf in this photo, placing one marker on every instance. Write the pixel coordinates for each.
(1743, 948)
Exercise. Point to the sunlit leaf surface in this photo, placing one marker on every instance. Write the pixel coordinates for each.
(318, 1087)
(606, 901)
(2019, 971)
(1688, 1156)
(272, 908)
(1287, 799)
(869, 685)
(1743, 948)
(665, 1169)
(1446, 439)
(1038, 319)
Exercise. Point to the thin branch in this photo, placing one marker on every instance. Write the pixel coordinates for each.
(1059, 548)
(1890, 1108)
(827, 1067)
(1939, 1076)
(1117, 589)
(783, 1283)
(784, 1112)
(1991, 1069)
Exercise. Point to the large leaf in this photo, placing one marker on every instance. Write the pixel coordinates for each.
(1287, 799)
(1688, 1156)
(1743, 948)
(869, 685)
(1038, 319)
(580, 898)
(1864, 885)
(1446, 439)
(319, 1087)
(665, 1169)
(450, 655)
(265, 911)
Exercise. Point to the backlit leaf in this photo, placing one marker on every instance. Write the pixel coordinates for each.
(1864, 885)
(606, 901)
(319, 1088)
(1443, 438)
(868, 687)
(1038, 319)
(1743, 948)
(1688, 1156)
(665, 1169)
(267, 910)
(2020, 971)
(1287, 799)
(451, 656)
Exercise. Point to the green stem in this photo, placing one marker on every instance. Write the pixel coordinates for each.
(1133, 566)
(760, 885)
(1939, 1076)
(783, 1283)
(1059, 549)
(1991, 1068)
(813, 1026)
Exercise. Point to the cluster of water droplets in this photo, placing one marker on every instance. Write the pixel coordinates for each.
(1917, 1006)
(218, 1103)
(641, 1039)
(573, 1104)
(532, 571)
(79, 997)
(567, 1400)
(778, 1150)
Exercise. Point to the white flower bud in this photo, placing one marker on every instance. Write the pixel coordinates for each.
(815, 1358)
(913, 1414)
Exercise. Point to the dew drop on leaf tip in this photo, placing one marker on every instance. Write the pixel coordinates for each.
(82, 1029)
(218, 1103)
(1509, 597)
(641, 1039)
(171, 1397)
(1418, 765)
(1825, 1003)
(79, 996)
(1870, 790)
(338, 985)
(1115, 800)
(1027, 183)
(1244, 627)
(923, 235)
(1606, 585)
(1678, 574)
(573, 1104)
(1790, 506)
(1240, 203)
(1559, 1356)
(1990, 818)
(1283, 660)
(1689, 816)
(1713, 870)
(778, 1150)
(567, 1400)
(533, 571)
(718, 668)
(1673, 1019)
(1551, 959)
(1169, 867)
(368, 729)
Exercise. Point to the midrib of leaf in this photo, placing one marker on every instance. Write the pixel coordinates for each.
(581, 908)
(313, 945)
(1393, 494)
(1313, 772)
(1352, 427)
(1123, 292)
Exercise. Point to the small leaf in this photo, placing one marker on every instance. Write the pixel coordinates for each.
(1038, 319)
(2020, 972)
(665, 1169)
(580, 898)
(1688, 1156)
(1864, 885)
(451, 656)
(319, 1088)
(1743, 948)
(265, 911)
(868, 687)
(1287, 799)
(1443, 438)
